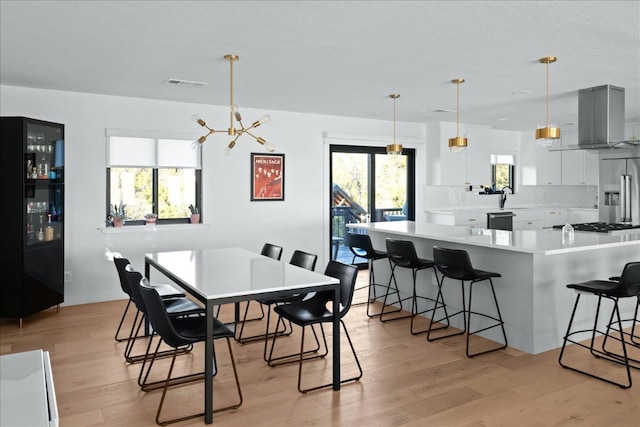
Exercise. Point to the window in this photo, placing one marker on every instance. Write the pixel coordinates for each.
(503, 171)
(152, 175)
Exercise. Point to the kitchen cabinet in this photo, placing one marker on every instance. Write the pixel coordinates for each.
(33, 203)
(579, 167)
(471, 166)
(469, 218)
(528, 224)
(549, 167)
(555, 217)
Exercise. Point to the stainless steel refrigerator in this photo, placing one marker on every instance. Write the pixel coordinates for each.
(619, 190)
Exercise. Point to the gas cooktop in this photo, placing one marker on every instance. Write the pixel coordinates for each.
(600, 227)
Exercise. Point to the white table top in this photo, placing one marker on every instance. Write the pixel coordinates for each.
(23, 393)
(546, 241)
(234, 274)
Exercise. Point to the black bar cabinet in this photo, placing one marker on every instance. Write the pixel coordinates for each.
(32, 158)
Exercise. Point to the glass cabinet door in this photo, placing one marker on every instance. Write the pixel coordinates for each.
(43, 180)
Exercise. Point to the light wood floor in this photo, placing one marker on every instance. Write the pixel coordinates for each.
(407, 381)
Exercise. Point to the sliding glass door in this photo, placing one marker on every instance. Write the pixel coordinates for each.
(368, 185)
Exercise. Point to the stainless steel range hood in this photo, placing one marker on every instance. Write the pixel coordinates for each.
(601, 118)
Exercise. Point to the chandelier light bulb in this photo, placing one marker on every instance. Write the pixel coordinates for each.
(264, 119)
(227, 150)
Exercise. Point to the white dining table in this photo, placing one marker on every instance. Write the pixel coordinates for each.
(231, 275)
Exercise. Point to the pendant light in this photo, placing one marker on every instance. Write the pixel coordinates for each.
(459, 143)
(395, 148)
(235, 115)
(548, 135)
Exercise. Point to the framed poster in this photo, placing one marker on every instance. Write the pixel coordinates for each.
(267, 177)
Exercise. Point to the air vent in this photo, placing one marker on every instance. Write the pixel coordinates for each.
(186, 83)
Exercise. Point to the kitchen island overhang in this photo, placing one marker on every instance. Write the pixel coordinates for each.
(535, 266)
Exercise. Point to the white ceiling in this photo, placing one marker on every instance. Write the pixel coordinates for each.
(338, 58)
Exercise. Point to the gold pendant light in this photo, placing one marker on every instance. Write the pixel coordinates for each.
(459, 143)
(548, 135)
(235, 115)
(395, 148)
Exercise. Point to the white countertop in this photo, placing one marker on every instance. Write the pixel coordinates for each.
(28, 395)
(547, 241)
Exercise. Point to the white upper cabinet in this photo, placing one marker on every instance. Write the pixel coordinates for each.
(580, 167)
(471, 166)
(479, 155)
(549, 167)
(567, 167)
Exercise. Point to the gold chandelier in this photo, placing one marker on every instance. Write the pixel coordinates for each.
(395, 148)
(235, 116)
(459, 143)
(548, 135)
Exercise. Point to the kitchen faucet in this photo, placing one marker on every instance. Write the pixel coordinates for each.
(503, 196)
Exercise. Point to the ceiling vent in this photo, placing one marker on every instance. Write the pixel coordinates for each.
(186, 83)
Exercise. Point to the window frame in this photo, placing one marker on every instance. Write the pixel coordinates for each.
(154, 199)
(155, 186)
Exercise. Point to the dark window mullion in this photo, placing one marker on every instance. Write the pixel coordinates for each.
(154, 191)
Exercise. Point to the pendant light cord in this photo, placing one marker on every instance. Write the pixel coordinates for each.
(458, 110)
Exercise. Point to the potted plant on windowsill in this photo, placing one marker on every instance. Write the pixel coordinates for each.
(150, 219)
(117, 215)
(195, 215)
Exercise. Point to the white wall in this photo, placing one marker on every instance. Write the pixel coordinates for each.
(231, 219)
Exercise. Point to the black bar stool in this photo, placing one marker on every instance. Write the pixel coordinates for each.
(361, 246)
(402, 254)
(633, 338)
(628, 286)
(456, 264)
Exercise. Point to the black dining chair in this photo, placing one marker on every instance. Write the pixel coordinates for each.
(175, 307)
(360, 246)
(627, 286)
(269, 250)
(313, 311)
(166, 291)
(300, 259)
(455, 264)
(178, 333)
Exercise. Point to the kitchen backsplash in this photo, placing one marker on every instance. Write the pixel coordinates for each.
(458, 197)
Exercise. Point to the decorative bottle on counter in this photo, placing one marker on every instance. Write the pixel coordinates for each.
(567, 234)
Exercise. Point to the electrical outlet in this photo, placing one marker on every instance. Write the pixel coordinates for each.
(67, 277)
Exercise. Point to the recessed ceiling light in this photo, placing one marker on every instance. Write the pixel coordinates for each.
(444, 110)
(521, 92)
(502, 119)
(186, 82)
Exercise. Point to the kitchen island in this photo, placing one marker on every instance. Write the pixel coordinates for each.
(536, 266)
